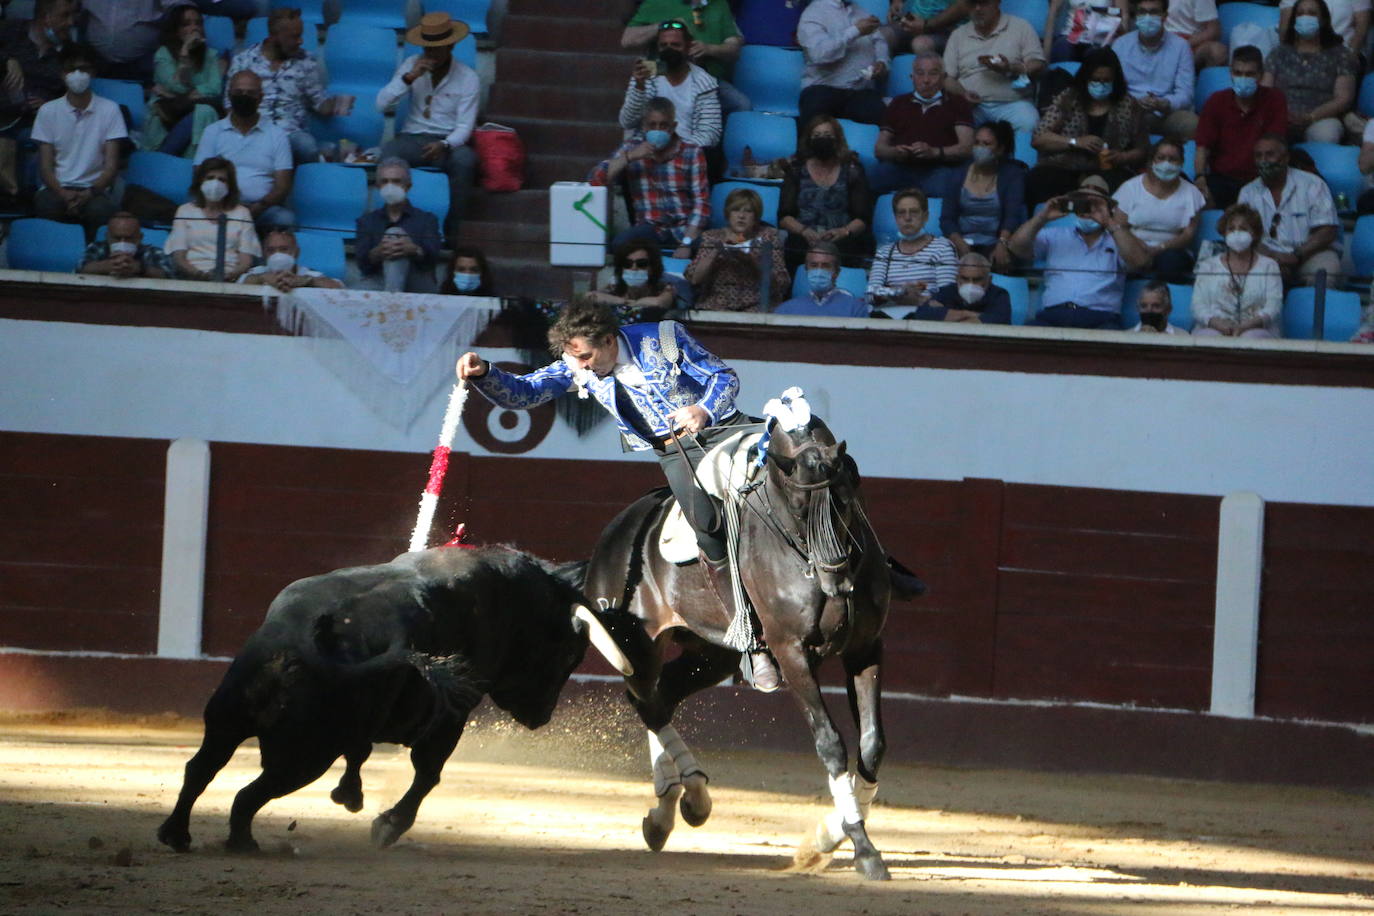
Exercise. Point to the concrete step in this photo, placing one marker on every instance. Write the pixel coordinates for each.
(542, 170)
(595, 140)
(507, 239)
(559, 33)
(620, 10)
(529, 205)
(534, 278)
(571, 103)
(564, 68)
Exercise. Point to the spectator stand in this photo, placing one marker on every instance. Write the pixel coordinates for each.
(161, 173)
(770, 77)
(44, 244)
(851, 279)
(885, 224)
(128, 95)
(1033, 11)
(1341, 319)
(770, 194)
(767, 137)
(1338, 166)
(329, 197)
(769, 22)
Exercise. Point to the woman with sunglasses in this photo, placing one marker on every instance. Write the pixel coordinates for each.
(1238, 293)
(638, 285)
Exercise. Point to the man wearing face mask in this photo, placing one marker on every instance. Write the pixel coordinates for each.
(283, 268)
(971, 298)
(927, 134)
(822, 296)
(1231, 123)
(29, 51)
(78, 139)
(1299, 216)
(397, 244)
(259, 149)
(122, 253)
(667, 180)
(1159, 71)
(691, 89)
(1155, 305)
(1086, 263)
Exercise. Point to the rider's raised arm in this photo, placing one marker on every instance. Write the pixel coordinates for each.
(524, 392)
(719, 382)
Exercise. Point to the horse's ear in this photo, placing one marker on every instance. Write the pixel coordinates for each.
(840, 452)
(784, 463)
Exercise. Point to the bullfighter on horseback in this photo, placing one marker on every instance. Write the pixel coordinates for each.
(661, 385)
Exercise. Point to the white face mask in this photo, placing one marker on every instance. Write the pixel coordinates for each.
(123, 248)
(392, 193)
(78, 81)
(279, 261)
(1239, 240)
(972, 293)
(214, 190)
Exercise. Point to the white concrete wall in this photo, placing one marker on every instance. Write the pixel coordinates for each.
(1286, 443)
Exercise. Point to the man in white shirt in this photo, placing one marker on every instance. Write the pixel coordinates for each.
(1196, 22)
(259, 149)
(1301, 230)
(78, 139)
(443, 108)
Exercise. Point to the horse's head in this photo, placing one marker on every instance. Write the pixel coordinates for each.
(810, 474)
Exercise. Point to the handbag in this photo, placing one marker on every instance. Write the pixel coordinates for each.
(500, 157)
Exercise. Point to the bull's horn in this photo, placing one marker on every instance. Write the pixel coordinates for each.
(604, 643)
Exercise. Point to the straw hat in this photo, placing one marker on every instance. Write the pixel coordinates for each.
(437, 30)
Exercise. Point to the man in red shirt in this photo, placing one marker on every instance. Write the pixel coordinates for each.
(925, 134)
(1231, 123)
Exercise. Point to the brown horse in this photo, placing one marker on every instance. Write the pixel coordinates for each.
(817, 579)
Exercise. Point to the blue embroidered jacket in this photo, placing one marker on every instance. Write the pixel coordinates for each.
(696, 377)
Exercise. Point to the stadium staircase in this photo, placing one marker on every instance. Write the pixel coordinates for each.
(559, 82)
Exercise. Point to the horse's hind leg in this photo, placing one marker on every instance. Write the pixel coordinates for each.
(349, 791)
(226, 727)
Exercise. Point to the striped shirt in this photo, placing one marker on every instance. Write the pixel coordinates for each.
(695, 98)
(935, 265)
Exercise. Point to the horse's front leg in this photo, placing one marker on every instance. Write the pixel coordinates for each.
(799, 671)
(863, 681)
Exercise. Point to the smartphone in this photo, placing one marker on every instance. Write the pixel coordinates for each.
(652, 66)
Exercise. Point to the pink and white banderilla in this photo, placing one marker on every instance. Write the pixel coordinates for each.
(438, 466)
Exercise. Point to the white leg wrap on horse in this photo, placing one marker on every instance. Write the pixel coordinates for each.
(864, 791)
(670, 743)
(661, 762)
(846, 802)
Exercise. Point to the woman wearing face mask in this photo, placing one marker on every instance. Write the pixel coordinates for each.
(195, 230)
(468, 273)
(1162, 208)
(1238, 293)
(1315, 72)
(725, 272)
(638, 285)
(986, 200)
(1093, 127)
(825, 196)
(911, 269)
(188, 78)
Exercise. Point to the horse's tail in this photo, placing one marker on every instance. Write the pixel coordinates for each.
(617, 565)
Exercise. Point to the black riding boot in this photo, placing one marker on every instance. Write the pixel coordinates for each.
(763, 671)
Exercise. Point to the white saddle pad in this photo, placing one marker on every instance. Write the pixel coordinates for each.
(725, 467)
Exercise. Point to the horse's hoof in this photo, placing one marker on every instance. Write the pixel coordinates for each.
(241, 845)
(385, 831)
(177, 838)
(695, 804)
(872, 867)
(655, 837)
(350, 799)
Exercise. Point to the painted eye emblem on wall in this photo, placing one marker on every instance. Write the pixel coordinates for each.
(507, 432)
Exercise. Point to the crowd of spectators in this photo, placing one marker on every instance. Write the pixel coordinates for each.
(1078, 150)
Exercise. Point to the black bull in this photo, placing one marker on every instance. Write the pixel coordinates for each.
(400, 652)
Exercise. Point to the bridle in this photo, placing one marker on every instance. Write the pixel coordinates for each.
(818, 530)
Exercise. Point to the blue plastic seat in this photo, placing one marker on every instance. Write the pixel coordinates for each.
(44, 244)
(1233, 14)
(126, 93)
(360, 55)
(1033, 11)
(219, 32)
(1024, 151)
(428, 192)
(1339, 167)
(363, 125)
(1068, 66)
(381, 14)
(311, 10)
(874, 7)
(1364, 102)
(770, 77)
(162, 173)
(851, 279)
(861, 139)
(885, 224)
(899, 75)
(769, 22)
(1207, 231)
(1362, 247)
(1342, 314)
(675, 265)
(1180, 296)
(1018, 290)
(768, 136)
(322, 251)
(473, 12)
(769, 193)
(1210, 80)
(329, 196)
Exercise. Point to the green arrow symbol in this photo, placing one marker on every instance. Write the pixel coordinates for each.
(581, 207)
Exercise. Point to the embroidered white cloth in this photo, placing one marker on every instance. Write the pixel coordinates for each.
(393, 350)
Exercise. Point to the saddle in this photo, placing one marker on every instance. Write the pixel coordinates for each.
(724, 468)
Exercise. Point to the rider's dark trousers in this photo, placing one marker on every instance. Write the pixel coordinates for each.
(701, 510)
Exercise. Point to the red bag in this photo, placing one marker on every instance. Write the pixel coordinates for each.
(500, 157)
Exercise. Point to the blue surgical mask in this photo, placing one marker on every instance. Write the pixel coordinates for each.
(983, 154)
(928, 101)
(1149, 25)
(1099, 91)
(1166, 171)
(658, 139)
(911, 236)
(635, 277)
(819, 279)
(1088, 224)
(466, 283)
(1307, 26)
(1244, 86)
(1021, 82)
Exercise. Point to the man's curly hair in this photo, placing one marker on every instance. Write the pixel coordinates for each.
(581, 318)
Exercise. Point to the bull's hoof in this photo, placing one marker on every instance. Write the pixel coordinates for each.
(179, 838)
(872, 867)
(350, 798)
(695, 804)
(654, 835)
(241, 845)
(386, 830)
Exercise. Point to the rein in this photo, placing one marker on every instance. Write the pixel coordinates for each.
(821, 536)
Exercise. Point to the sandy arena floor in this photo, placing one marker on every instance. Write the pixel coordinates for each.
(548, 823)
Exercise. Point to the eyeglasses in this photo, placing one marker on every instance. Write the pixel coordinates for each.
(638, 262)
